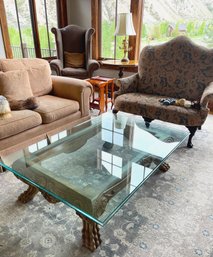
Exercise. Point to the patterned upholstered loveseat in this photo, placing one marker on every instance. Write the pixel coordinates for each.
(176, 69)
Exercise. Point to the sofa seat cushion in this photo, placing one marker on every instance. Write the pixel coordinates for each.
(18, 122)
(74, 72)
(52, 108)
(149, 106)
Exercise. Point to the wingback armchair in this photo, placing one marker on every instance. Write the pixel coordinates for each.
(73, 45)
(176, 69)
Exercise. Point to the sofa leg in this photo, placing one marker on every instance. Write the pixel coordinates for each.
(114, 111)
(147, 121)
(192, 131)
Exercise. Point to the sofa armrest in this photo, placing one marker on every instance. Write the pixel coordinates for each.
(56, 66)
(74, 89)
(92, 65)
(127, 85)
(207, 95)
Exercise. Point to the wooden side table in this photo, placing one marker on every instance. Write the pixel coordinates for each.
(120, 65)
(105, 88)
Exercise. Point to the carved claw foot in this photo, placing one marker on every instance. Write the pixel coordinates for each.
(164, 167)
(28, 195)
(90, 233)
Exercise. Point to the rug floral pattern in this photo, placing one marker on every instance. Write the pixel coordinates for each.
(171, 215)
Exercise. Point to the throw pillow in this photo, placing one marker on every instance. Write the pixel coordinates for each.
(74, 60)
(15, 85)
(30, 103)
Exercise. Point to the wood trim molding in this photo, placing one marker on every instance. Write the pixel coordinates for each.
(62, 13)
(4, 30)
(134, 41)
(96, 24)
(34, 22)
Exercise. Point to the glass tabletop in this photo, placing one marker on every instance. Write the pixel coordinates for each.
(100, 164)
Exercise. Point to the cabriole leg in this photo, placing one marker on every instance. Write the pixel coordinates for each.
(192, 131)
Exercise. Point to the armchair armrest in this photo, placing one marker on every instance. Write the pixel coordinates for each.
(207, 95)
(56, 65)
(92, 65)
(74, 89)
(127, 85)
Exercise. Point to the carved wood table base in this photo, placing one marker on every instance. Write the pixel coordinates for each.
(90, 233)
(28, 195)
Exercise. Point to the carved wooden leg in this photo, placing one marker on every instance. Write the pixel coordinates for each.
(90, 233)
(147, 121)
(114, 111)
(28, 195)
(192, 131)
(164, 167)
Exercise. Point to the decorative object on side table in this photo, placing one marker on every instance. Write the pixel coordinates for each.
(125, 28)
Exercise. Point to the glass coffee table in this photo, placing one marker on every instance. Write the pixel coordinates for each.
(96, 166)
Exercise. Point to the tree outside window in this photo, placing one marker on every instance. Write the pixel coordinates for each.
(110, 43)
(22, 35)
(166, 19)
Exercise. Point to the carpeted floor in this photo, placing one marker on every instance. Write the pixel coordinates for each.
(170, 216)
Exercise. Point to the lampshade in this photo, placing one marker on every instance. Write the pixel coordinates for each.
(124, 25)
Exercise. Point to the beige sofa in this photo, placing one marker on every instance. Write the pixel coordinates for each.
(62, 102)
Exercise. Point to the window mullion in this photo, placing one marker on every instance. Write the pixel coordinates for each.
(19, 28)
(47, 26)
(34, 22)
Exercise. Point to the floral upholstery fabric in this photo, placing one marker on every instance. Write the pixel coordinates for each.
(149, 106)
(176, 69)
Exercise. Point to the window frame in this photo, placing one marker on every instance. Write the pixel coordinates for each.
(136, 7)
(61, 7)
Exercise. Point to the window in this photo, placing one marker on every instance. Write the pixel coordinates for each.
(104, 17)
(110, 43)
(163, 20)
(29, 25)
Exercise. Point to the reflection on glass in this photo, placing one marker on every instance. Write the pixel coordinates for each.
(94, 173)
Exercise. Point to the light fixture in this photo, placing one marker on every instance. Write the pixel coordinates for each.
(125, 28)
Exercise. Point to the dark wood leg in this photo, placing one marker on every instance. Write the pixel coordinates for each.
(147, 121)
(90, 233)
(28, 195)
(192, 131)
(114, 111)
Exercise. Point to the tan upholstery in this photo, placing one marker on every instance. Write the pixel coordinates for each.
(176, 69)
(19, 122)
(38, 71)
(62, 102)
(52, 108)
(17, 79)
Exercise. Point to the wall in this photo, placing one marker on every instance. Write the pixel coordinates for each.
(79, 12)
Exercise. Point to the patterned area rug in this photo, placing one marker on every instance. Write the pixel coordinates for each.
(170, 216)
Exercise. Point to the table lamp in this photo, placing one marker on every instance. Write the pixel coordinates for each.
(125, 28)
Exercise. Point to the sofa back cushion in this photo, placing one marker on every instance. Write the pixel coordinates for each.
(15, 85)
(178, 68)
(38, 71)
